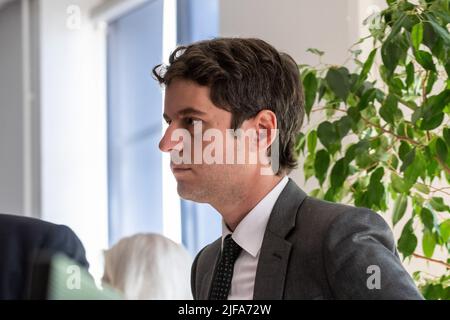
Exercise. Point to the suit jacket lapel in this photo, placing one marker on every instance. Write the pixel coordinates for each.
(208, 276)
(275, 249)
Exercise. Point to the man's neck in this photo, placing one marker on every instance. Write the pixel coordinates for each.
(234, 210)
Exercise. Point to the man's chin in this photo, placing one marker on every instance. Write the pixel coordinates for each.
(188, 193)
(184, 191)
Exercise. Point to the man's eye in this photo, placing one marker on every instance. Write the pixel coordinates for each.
(190, 121)
(168, 121)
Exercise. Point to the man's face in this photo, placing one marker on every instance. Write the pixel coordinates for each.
(188, 106)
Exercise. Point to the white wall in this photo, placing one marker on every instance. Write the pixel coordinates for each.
(11, 113)
(53, 137)
(292, 25)
(19, 109)
(74, 132)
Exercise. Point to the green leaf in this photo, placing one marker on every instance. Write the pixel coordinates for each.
(428, 244)
(339, 173)
(416, 115)
(389, 109)
(441, 150)
(408, 159)
(367, 97)
(417, 168)
(427, 218)
(430, 123)
(365, 160)
(397, 26)
(403, 150)
(343, 126)
(436, 104)
(390, 54)
(354, 115)
(310, 85)
(438, 204)
(366, 67)
(375, 189)
(315, 193)
(409, 75)
(417, 35)
(375, 193)
(312, 141)
(393, 53)
(443, 33)
(338, 81)
(422, 188)
(430, 38)
(299, 142)
(330, 195)
(315, 51)
(432, 110)
(329, 137)
(408, 241)
(377, 175)
(425, 60)
(394, 161)
(446, 136)
(394, 49)
(322, 90)
(431, 81)
(399, 185)
(444, 228)
(444, 15)
(354, 149)
(321, 164)
(399, 208)
(308, 166)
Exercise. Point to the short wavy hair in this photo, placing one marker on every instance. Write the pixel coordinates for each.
(148, 266)
(245, 76)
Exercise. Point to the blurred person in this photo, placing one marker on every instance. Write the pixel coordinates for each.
(25, 241)
(148, 267)
(277, 242)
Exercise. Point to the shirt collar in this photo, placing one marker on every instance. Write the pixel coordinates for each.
(250, 231)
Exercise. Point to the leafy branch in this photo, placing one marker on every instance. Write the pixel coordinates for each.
(396, 103)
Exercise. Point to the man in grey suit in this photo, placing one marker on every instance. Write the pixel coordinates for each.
(229, 101)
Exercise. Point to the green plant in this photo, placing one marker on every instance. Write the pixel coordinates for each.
(386, 136)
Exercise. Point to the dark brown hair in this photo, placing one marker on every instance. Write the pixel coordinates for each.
(245, 76)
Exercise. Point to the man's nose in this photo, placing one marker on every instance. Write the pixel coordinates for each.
(167, 144)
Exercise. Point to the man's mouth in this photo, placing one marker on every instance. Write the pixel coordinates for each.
(180, 169)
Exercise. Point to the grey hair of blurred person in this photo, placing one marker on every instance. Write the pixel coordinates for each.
(148, 267)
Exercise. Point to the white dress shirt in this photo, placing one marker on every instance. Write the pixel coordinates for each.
(249, 236)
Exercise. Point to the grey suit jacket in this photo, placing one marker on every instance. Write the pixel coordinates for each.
(314, 249)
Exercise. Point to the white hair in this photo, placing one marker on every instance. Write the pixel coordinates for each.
(149, 267)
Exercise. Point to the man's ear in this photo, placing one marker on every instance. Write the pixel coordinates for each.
(266, 124)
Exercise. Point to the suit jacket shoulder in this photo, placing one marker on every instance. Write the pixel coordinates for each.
(335, 248)
(315, 249)
(22, 241)
(203, 270)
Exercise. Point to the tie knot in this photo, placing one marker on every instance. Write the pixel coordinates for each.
(231, 249)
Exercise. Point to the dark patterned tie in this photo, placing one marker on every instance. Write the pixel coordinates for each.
(222, 280)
